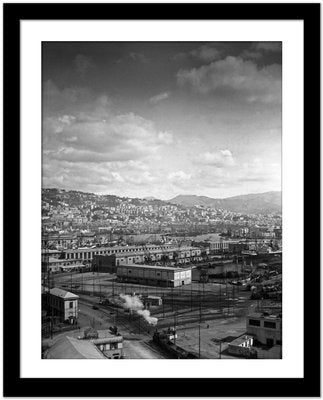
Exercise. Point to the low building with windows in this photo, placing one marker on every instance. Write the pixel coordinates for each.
(266, 328)
(154, 275)
(57, 265)
(63, 305)
(241, 346)
(110, 345)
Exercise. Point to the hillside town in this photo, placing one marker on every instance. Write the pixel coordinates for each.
(118, 271)
(73, 219)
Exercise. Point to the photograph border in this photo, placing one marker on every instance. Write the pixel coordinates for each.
(14, 385)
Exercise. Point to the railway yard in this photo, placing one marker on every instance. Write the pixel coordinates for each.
(206, 315)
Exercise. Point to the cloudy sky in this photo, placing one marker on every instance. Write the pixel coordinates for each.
(162, 119)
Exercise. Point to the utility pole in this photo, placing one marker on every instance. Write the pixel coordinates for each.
(226, 289)
(82, 281)
(175, 329)
(221, 297)
(49, 300)
(163, 304)
(172, 299)
(191, 295)
(200, 330)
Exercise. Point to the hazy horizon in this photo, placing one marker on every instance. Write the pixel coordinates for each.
(162, 119)
(156, 198)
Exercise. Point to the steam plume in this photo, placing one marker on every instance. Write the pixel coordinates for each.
(135, 304)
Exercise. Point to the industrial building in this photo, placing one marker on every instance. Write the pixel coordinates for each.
(136, 254)
(266, 328)
(108, 263)
(154, 275)
(62, 304)
(56, 265)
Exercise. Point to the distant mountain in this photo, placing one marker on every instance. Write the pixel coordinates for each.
(258, 203)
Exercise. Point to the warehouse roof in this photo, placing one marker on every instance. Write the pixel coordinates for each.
(105, 340)
(63, 294)
(150, 247)
(155, 267)
(71, 348)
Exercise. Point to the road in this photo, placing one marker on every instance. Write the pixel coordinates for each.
(134, 349)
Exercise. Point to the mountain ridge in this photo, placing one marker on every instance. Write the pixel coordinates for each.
(266, 202)
(253, 203)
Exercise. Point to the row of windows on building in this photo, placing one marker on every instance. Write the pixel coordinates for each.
(267, 324)
(90, 254)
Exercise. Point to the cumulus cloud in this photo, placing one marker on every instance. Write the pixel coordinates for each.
(179, 176)
(240, 76)
(219, 159)
(165, 137)
(159, 97)
(118, 138)
(93, 132)
(206, 53)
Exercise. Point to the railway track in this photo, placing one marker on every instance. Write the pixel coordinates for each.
(131, 322)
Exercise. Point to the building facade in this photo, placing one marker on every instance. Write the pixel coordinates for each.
(64, 305)
(267, 329)
(136, 254)
(154, 275)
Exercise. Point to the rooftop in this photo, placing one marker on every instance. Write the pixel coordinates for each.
(155, 267)
(63, 294)
(71, 348)
(264, 315)
(241, 339)
(146, 248)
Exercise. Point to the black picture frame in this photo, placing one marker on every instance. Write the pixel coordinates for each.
(14, 385)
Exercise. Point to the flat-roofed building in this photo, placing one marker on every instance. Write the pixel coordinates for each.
(154, 275)
(266, 328)
(110, 345)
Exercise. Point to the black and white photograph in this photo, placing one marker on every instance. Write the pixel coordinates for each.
(157, 160)
(161, 200)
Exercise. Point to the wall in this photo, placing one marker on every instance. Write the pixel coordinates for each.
(262, 333)
(239, 350)
(70, 312)
(153, 276)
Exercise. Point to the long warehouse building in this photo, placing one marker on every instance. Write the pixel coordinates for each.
(154, 275)
(131, 253)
